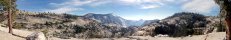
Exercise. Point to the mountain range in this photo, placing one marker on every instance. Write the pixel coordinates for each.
(113, 20)
(109, 26)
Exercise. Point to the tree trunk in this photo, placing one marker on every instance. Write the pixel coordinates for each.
(10, 22)
(228, 22)
(10, 19)
(226, 12)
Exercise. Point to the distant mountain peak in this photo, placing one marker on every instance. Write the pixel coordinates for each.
(110, 14)
(91, 14)
(88, 14)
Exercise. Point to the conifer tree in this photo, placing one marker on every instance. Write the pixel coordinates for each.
(9, 6)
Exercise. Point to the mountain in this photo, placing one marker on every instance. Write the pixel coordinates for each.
(112, 20)
(107, 19)
(67, 26)
(148, 22)
(135, 22)
(181, 24)
(92, 25)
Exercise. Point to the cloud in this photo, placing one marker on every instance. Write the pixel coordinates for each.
(201, 6)
(170, 0)
(149, 6)
(130, 1)
(143, 4)
(74, 5)
(71, 5)
(188, 5)
(98, 3)
(64, 10)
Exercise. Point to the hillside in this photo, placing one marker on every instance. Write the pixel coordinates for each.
(90, 26)
(182, 24)
(68, 26)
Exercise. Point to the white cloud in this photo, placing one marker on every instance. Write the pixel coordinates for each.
(130, 1)
(151, 0)
(145, 16)
(149, 6)
(143, 4)
(98, 3)
(74, 5)
(64, 10)
(190, 5)
(201, 6)
(170, 0)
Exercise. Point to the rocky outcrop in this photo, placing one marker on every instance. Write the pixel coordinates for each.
(36, 36)
(180, 24)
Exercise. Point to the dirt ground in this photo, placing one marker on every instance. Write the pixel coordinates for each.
(211, 36)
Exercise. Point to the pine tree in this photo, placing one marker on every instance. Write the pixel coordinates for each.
(9, 6)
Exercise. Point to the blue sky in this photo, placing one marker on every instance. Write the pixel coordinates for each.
(128, 9)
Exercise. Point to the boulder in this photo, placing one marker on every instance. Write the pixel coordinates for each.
(36, 36)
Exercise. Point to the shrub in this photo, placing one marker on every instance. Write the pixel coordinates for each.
(45, 31)
(18, 25)
(220, 27)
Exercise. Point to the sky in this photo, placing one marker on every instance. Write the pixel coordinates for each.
(128, 9)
